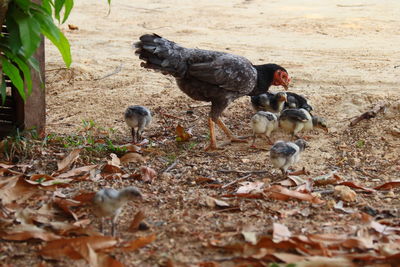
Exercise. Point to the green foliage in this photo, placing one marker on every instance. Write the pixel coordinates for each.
(26, 21)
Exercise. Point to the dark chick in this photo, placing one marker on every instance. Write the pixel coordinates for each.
(297, 101)
(295, 120)
(272, 102)
(211, 76)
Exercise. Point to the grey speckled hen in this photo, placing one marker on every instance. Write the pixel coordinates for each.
(212, 76)
(108, 202)
(137, 117)
(285, 154)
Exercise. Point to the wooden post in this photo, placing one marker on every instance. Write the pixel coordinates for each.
(35, 105)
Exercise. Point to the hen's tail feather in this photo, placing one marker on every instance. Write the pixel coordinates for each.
(161, 54)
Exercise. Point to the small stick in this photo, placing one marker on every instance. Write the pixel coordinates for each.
(397, 66)
(244, 172)
(117, 69)
(170, 116)
(170, 167)
(237, 180)
(369, 114)
(200, 106)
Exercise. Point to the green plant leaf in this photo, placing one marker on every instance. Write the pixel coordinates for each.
(58, 5)
(46, 4)
(13, 33)
(29, 32)
(23, 66)
(3, 88)
(54, 34)
(23, 4)
(13, 73)
(69, 4)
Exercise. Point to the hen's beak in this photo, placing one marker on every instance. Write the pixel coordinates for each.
(286, 86)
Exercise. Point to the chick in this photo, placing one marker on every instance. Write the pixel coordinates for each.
(285, 154)
(263, 122)
(297, 101)
(108, 202)
(269, 102)
(295, 120)
(137, 117)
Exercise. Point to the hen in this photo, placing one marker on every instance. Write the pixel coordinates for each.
(212, 76)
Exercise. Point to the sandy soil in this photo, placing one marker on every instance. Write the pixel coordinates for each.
(342, 55)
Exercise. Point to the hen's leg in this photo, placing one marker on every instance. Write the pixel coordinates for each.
(213, 140)
(229, 133)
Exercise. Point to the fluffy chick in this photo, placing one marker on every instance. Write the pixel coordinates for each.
(295, 120)
(285, 154)
(137, 117)
(297, 101)
(263, 123)
(272, 102)
(108, 202)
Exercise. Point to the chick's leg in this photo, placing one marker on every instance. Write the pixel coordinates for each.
(133, 132)
(229, 133)
(113, 226)
(213, 140)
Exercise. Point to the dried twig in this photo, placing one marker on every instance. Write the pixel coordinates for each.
(170, 167)
(237, 180)
(244, 172)
(369, 114)
(170, 116)
(117, 69)
(200, 106)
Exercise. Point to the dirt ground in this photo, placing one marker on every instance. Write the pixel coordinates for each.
(342, 55)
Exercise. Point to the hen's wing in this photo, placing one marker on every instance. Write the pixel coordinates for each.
(231, 72)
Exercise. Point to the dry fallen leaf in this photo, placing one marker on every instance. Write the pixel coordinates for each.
(47, 180)
(68, 160)
(345, 193)
(388, 185)
(329, 178)
(75, 248)
(250, 187)
(280, 233)
(182, 135)
(138, 243)
(66, 204)
(131, 147)
(354, 185)
(115, 161)
(250, 237)
(110, 169)
(16, 188)
(213, 202)
(139, 216)
(282, 193)
(27, 231)
(78, 173)
(132, 157)
(148, 174)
